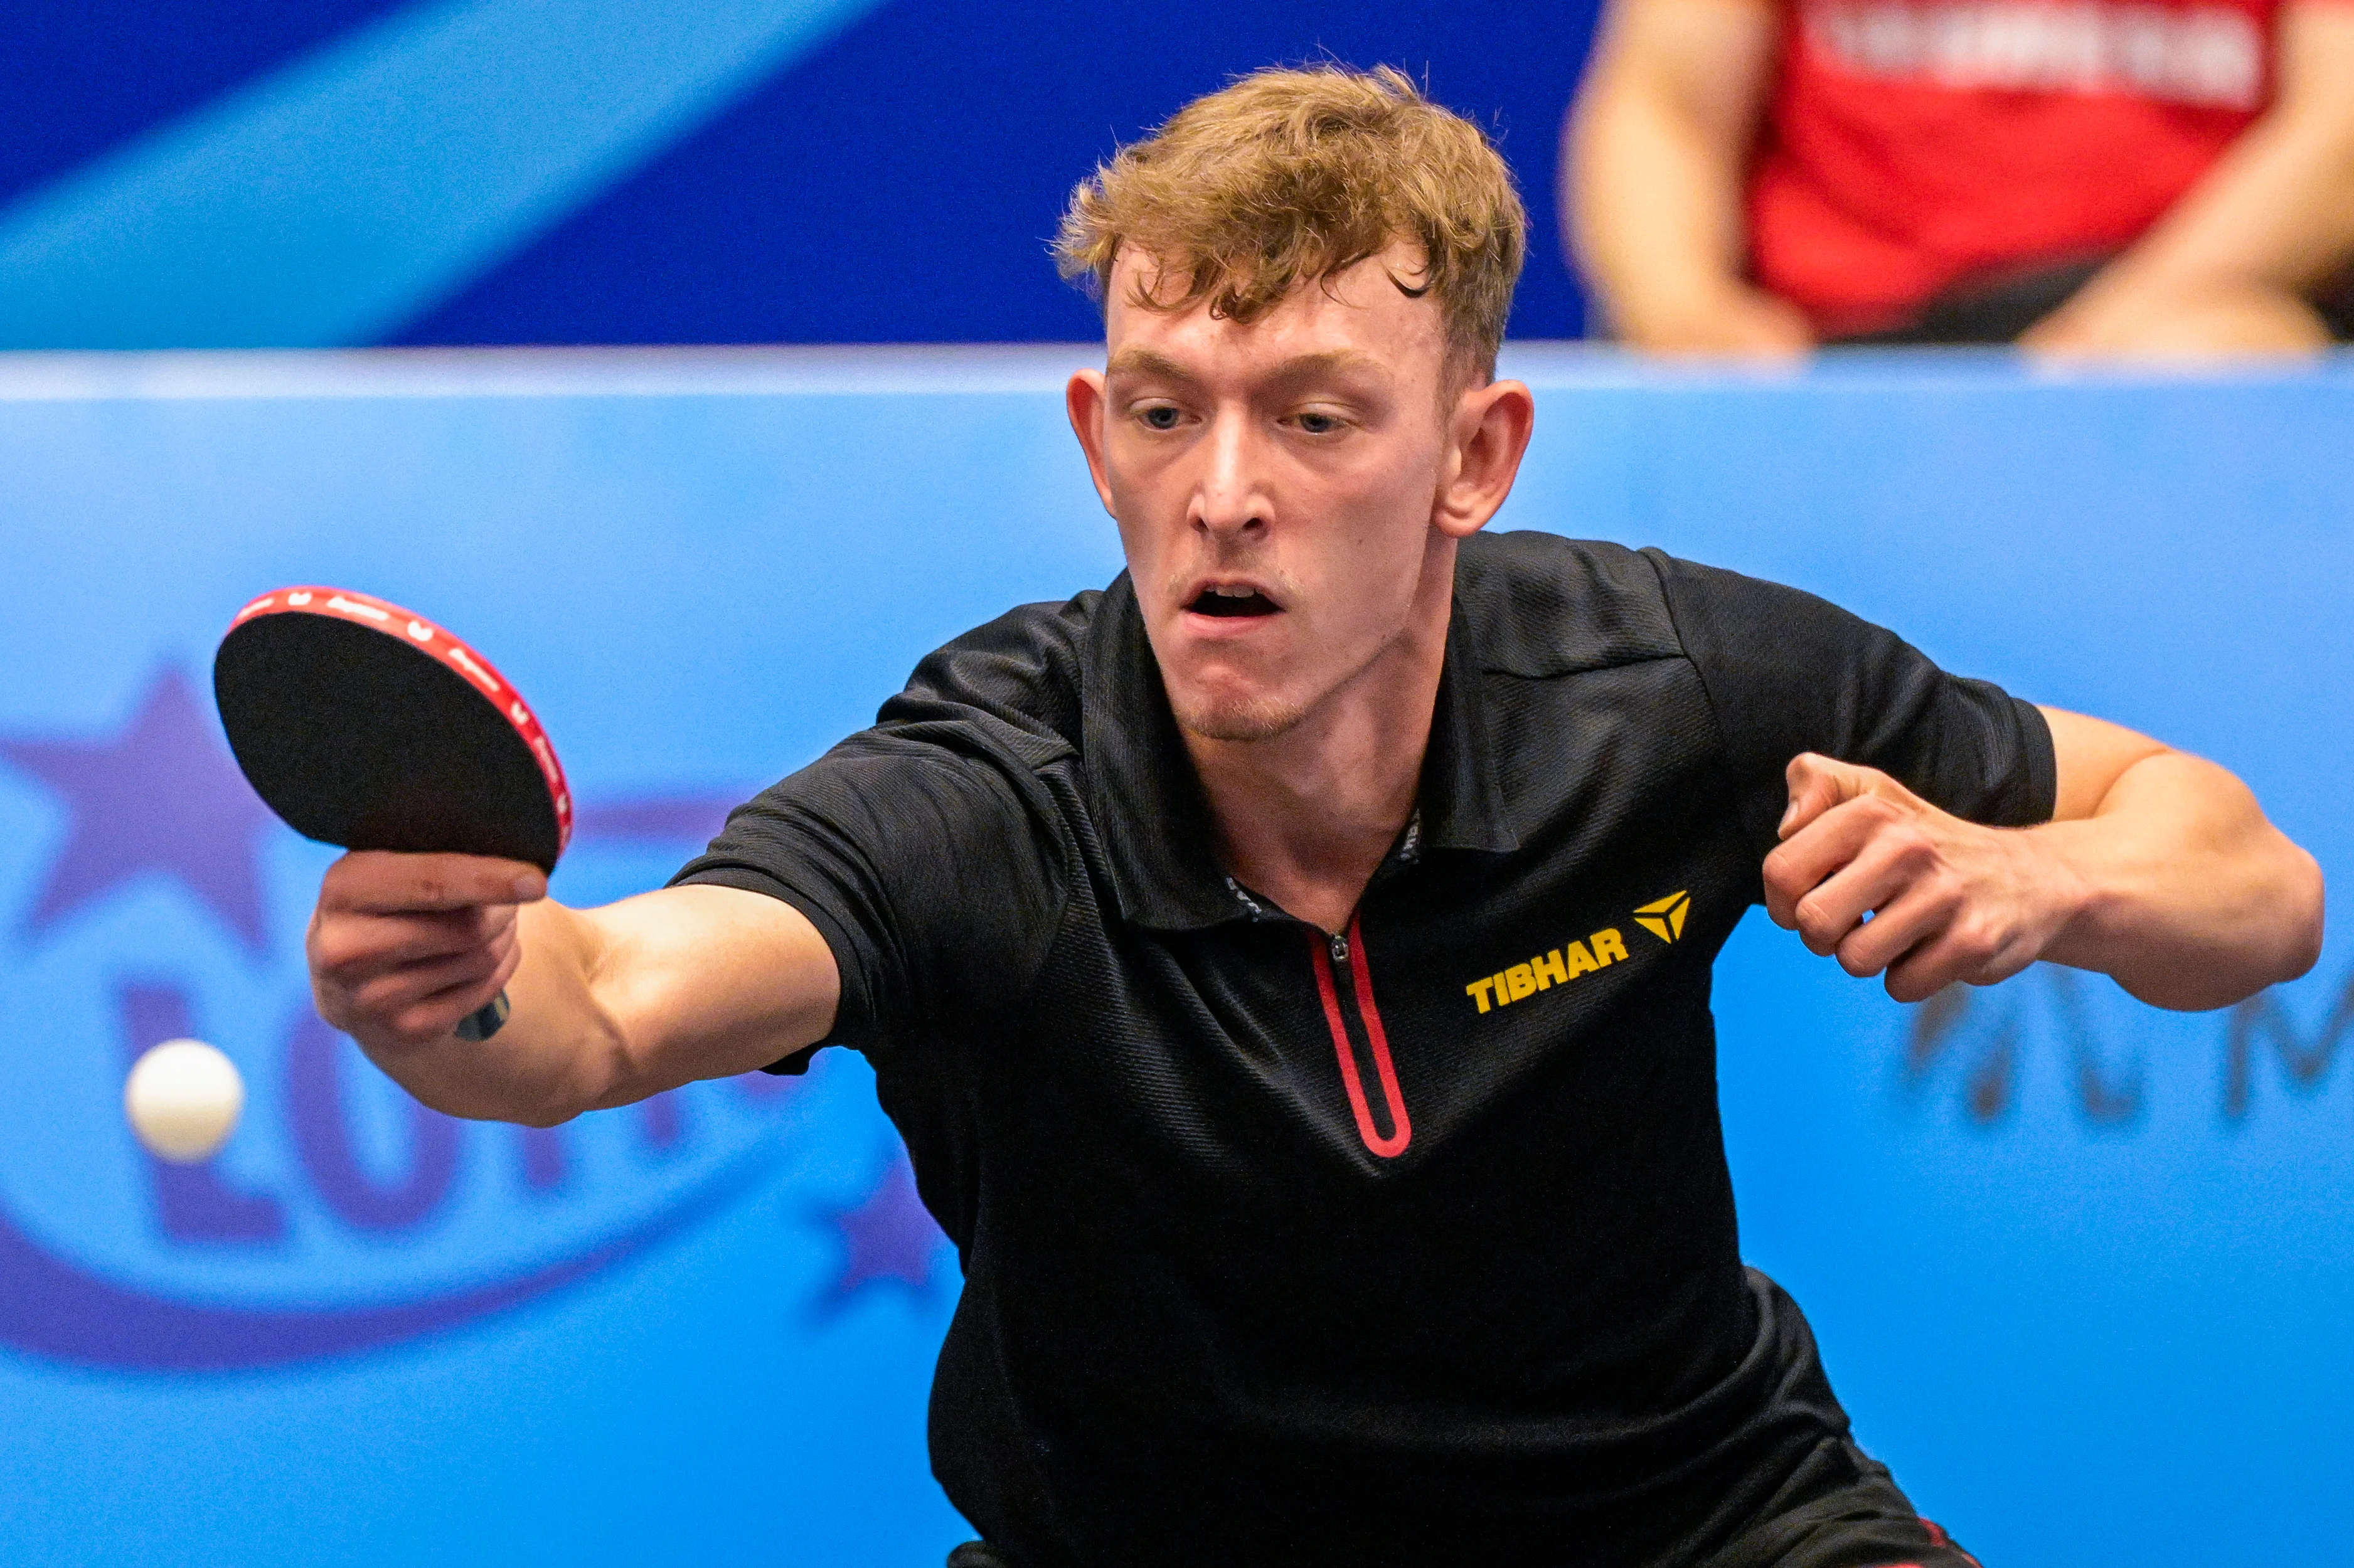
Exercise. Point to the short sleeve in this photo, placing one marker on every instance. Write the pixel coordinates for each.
(929, 872)
(1787, 673)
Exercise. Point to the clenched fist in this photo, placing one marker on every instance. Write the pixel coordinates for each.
(402, 947)
(1870, 872)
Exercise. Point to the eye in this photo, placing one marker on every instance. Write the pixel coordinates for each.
(1159, 416)
(1316, 422)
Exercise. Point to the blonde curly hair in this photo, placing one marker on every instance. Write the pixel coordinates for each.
(1290, 176)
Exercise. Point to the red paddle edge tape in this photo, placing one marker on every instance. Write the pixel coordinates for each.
(383, 615)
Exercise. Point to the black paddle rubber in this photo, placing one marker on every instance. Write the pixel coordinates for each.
(364, 725)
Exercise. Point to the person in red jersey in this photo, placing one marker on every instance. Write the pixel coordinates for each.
(2080, 176)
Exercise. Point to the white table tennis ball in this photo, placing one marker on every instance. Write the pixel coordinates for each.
(183, 1098)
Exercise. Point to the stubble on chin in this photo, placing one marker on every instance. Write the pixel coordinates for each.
(1260, 716)
(1237, 718)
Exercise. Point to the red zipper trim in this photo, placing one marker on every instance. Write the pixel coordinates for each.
(1402, 1131)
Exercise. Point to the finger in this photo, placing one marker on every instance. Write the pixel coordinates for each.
(389, 997)
(1877, 878)
(388, 941)
(1802, 862)
(375, 1007)
(490, 949)
(1908, 922)
(381, 881)
(1961, 951)
(1941, 961)
(352, 948)
(435, 1016)
(1817, 783)
(427, 1018)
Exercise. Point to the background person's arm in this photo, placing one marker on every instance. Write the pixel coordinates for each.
(2158, 868)
(2226, 270)
(1655, 152)
(609, 1004)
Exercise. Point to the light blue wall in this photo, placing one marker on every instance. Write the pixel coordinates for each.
(2087, 1298)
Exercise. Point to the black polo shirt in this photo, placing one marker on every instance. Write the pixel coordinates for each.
(1408, 1244)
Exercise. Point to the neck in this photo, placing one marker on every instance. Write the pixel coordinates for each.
(1305, 817)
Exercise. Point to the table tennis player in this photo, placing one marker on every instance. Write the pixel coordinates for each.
(1289, 965)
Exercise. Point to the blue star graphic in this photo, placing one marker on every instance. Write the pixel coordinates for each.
(163, 796)
(888, 1237)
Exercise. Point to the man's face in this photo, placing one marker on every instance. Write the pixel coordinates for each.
(1275, 486)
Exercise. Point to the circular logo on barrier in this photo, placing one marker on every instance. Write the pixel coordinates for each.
(343, 1215)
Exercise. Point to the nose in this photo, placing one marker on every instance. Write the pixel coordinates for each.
(1231, 499)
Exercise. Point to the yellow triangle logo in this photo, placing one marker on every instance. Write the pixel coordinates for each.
(1664, 917)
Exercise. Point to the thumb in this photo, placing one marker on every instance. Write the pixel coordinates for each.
(1817, 784)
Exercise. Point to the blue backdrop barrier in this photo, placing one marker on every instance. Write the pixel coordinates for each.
(2081, 1270)
(332, 173)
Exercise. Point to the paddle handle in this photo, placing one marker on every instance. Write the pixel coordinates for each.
(485, 1020)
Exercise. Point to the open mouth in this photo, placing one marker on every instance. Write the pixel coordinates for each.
(1231, 602)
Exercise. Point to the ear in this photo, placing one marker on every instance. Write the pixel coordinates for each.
(1487, 436)
(1086, 401)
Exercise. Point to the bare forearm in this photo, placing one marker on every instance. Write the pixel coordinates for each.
(2183, 892)
(2277, 213)
(2156, 868)
(2228, 268)
(1654, 159)
(1658, 208)
(609, 1005)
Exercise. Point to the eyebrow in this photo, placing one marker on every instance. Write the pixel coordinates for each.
(1148, 362)
(1145, 361)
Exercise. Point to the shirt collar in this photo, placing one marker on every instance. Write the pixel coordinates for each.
(1159, 841)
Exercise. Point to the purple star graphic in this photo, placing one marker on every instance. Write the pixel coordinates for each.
(888, 1237)
(164, 795)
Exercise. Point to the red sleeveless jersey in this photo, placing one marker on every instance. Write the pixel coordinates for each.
(1910, 144)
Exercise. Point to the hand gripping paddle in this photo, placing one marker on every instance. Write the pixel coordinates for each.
(364, 725)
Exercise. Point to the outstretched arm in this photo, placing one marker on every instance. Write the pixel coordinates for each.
(611, 1004)
(2159, 869)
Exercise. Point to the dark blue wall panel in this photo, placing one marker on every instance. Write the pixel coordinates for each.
(76, 80)
(896, 184)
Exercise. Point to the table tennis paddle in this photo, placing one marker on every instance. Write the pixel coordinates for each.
(365, 725)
